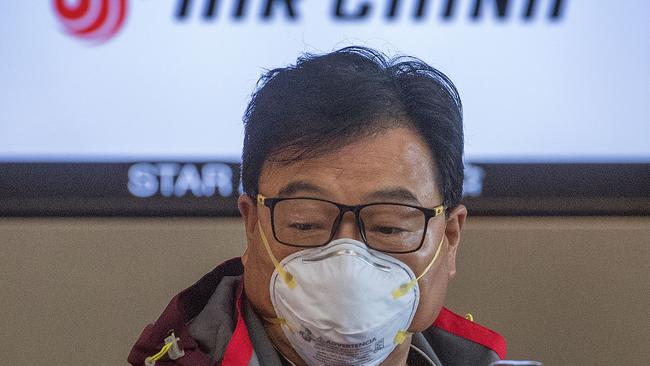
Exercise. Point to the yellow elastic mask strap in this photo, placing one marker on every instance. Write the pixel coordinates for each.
(401, 336)
(404, 288)
(284, 274)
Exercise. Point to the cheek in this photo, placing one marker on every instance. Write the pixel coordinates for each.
(257, 277)
(433, 288)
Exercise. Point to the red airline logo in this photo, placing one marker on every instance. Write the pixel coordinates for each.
(96, 20)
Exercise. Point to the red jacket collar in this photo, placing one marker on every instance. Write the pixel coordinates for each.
(458, 325)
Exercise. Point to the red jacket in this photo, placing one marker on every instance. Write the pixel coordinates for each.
(450, 341)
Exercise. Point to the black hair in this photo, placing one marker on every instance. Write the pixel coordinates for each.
(325, 102)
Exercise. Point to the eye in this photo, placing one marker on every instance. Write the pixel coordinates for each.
(388, 230)
(302, 226)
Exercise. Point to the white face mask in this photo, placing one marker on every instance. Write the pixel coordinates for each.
(344, 304)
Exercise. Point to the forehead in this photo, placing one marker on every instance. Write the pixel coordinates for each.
(394, 160)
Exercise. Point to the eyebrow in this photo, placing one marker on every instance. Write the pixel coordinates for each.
(392, 194)
(300, 186)
(399, 194)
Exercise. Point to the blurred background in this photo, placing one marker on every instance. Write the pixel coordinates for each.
(120, 138)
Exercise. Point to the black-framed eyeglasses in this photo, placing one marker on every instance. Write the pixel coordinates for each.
(385, 226)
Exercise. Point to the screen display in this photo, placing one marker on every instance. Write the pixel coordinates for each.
(141, 102)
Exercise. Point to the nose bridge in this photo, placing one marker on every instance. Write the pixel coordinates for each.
(348, 227)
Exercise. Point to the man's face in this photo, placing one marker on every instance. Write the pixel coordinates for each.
(394, 166)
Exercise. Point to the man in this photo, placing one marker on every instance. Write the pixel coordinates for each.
(352, 168)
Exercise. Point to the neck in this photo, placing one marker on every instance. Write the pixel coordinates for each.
(281, 343)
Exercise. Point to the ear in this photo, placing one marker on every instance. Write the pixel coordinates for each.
(455, 222)
(248, 210)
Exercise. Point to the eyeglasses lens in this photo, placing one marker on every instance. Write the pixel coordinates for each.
(387, 227)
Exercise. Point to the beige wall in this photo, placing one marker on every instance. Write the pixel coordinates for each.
(567, 291)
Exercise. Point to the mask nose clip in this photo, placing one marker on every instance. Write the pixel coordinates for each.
(351, 253)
